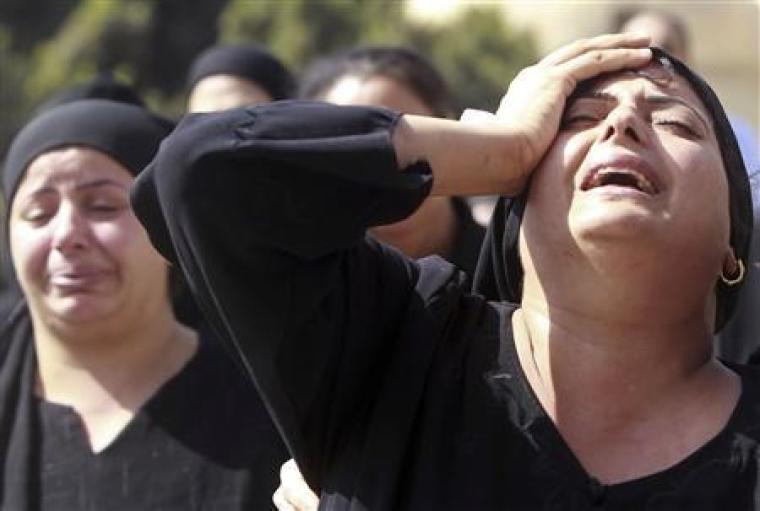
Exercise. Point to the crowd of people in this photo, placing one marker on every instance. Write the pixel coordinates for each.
(284, 300)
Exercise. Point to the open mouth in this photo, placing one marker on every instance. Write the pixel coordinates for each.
(621, 177)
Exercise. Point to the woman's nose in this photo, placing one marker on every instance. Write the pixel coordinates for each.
(70, 230)
(623, 123)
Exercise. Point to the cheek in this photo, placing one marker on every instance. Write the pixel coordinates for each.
(705, 186)
(700, 197)
(127, 242)
(30, 249)
(552, 183)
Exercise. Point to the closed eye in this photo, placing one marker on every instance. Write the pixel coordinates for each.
(36, 216)
(577, 121)
(677, 126)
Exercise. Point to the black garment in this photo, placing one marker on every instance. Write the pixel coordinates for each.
(204, 441)
(394, 387)
(201, 442)
(468, 239)
(103, 86)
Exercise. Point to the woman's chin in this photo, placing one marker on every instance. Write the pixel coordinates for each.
(617, 222)
(79, 310)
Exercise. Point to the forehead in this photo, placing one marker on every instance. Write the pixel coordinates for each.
(376, 90)
(72, 165)
(228, 84)
(652, 80)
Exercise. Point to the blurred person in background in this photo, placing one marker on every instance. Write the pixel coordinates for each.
(107, 401)
(403, 80)
(741, 337)
(230, 76)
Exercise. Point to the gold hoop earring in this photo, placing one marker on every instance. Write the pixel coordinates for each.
(735, 280)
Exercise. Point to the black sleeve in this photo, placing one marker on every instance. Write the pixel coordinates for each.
(265, 210)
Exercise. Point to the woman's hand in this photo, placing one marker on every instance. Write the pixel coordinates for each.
(496, 157)
(536, 98)
(294, 494)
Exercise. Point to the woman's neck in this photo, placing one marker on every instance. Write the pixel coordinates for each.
(615, 390)
(124, 362)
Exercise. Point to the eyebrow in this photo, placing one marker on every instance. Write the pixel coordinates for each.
(87, 185)
(657, 99)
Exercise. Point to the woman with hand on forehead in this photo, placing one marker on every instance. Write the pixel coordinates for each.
(580, 372)
(107, 401)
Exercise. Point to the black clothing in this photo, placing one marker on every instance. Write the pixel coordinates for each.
(394, 387)
(204, 441)
(468, 238)
(103, 86)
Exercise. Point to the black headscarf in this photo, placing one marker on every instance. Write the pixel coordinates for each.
(499, 273)
(130, 135)
(251, 62)
(103, 86)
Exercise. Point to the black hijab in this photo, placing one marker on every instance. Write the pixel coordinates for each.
(251, 62)
(103, 86)
(130, 135)
(499, 273)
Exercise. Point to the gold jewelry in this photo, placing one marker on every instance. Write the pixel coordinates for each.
(732, 281)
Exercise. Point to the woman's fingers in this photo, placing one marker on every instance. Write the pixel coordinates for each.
(596, 62)
(280, 502)
(294, 494)
(606, 41)
(533, 104)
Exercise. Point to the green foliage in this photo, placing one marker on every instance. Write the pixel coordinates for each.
(13, 69)
(92, 37)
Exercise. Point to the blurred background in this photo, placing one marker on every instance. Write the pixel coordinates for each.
(46, 45)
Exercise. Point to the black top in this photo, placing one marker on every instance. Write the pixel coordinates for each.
(203, 441)
(468, 238)
(396, 389)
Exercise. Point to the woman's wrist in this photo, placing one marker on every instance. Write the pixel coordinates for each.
(467, 158)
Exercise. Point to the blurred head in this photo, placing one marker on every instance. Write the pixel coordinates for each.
(224, 77)
(667, 31)
(103, 86)
(80, 255)
(402, 80)
(393, 77)
(645, 163)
